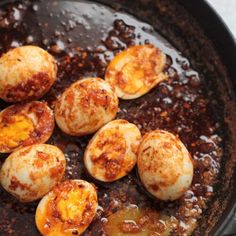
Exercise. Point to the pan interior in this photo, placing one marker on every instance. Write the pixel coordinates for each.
(84, 36)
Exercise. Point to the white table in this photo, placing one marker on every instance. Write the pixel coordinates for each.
(227, 10)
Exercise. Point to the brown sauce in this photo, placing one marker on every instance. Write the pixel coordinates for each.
(84, 37)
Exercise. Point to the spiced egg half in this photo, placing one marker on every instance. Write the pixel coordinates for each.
(31, 172)
(26, 73)
(136, 70)
(25, 124)
(85, 106)
(164, 165)
(112, 153)
(68, 209)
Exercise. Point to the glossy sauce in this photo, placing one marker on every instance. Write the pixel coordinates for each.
(84, 37)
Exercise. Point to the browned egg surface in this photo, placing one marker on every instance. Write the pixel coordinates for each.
(84, 37)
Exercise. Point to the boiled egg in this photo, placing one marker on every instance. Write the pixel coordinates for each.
(86, 106)
(68, 209)
(26, 73)
(135, 71)
(112, 152)
(31, 172)
(25, 124)
(164, 165)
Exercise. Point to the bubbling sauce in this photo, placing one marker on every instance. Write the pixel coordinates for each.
(84, 37)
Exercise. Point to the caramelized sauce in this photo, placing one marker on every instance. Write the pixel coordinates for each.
(84, 37)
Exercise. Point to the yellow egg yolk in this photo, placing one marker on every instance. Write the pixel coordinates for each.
(12, 134)
(71, 206)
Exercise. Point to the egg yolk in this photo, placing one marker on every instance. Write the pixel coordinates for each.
(16, 131)
(72, 205)
(133, 76)
(68, 209)
(137, 69)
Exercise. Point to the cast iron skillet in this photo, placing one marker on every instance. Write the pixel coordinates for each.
(196, 30)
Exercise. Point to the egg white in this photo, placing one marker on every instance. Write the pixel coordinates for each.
(164, 165)
(26, 73)
(86, 106)
(112, 152)
(31, 172)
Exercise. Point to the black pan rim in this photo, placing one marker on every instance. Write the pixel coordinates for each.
(226, 47)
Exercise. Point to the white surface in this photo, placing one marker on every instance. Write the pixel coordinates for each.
(227, 10)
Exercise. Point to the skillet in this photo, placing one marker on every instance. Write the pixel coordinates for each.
(191, 27)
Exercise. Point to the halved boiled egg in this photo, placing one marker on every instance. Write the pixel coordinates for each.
(164, 165)
(86, 106)
(25, 124)
(135, 71)
(31, 172)
(68, 209)
(112, 152)
(26, 73)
